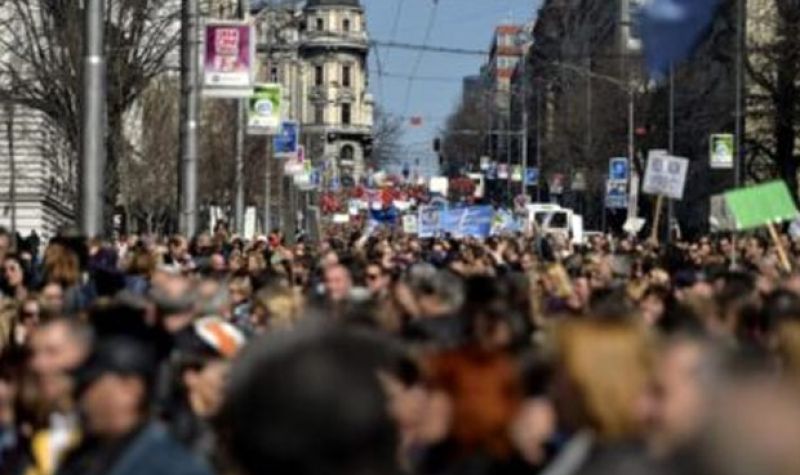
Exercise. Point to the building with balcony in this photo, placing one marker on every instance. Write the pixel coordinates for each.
(318, 52)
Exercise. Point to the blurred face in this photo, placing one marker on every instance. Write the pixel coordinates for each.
(532, 428)
(652, 309)
(217, 263)
(206, 387)
(678, 399)
(377, 282)
(13, 273)
(55, 352)
(406, 405)
(337, 283)
(53, 297)
(111, 405)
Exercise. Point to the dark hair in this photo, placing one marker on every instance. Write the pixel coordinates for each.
(310, 403)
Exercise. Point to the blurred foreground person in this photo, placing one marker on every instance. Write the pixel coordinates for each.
(754, 429)
(310, 403)
(687, 375)
(114, 388)
(202, 355)
(600, 390)
(58, 347)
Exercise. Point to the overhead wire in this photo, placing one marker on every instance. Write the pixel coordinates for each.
(415, 68)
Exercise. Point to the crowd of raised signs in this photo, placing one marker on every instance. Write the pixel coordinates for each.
(392, 354)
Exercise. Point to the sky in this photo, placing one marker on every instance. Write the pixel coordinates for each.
(436, 91)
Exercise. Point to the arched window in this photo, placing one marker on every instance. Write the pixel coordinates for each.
(347, 152)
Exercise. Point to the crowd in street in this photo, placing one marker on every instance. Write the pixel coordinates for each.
(388, 354)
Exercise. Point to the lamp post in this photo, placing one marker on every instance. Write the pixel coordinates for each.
(93, 120)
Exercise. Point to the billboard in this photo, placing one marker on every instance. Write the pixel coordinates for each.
(228, 59)
(264, 109)
(285, 142)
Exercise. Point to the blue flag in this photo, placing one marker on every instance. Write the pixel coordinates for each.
(671, 29)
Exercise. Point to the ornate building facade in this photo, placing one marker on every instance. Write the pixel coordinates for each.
(318, 52)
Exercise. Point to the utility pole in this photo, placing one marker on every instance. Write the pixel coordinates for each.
(740, 52)
(187, 219)
(539, 143)
(241, 126)
(670, 203)
(93, 122)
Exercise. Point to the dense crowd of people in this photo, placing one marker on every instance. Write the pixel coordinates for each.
(388, 354)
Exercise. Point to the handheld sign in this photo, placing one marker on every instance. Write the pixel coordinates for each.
(763, 205)
(665, 176)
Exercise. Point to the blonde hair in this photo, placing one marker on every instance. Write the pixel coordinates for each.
(608, 364)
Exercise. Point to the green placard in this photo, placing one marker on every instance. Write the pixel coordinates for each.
(761, 204)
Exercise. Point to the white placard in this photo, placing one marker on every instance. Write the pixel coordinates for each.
(665, 176)
(410, 224)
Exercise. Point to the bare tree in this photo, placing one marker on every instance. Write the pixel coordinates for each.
(773, 68)
(41, 45)
(149, 173)
(387, 132)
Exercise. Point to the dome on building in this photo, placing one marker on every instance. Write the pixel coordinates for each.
(333, 3)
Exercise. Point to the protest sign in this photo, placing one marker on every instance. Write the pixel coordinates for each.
(665, 176)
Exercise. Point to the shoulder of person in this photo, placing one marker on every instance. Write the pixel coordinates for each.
(156, 451)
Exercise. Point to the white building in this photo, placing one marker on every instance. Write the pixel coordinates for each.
(319, 54)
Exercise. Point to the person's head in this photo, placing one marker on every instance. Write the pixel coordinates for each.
(52, 298)
(240, 289)
(142, 262)
(377, 279)
(472, 401)
(58, 347)
(204, 352)
(687, 371)
(753, 427)
(602, 377)
(178, 247)
(114, 386)
(309, 402)
(62, 265)
(275, 307)
(435, 292)
(217, 263)
(653, 304)
(174, 298)
(28, 319)
(338, 283)
(14, 271)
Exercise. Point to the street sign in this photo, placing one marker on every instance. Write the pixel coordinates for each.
(666, 176)
(531, 176)
(616, 195)
(618, 169)
(721, 151)
(516, 173)
(264, 109)
(228, 59)
(285, 142)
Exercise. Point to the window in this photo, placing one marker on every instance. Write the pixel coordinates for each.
(320, 24)
(347, 153)
(273, 74)
(319, 114)
(346, 76)
(346, 25)
(319, 75)
(346, 114)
